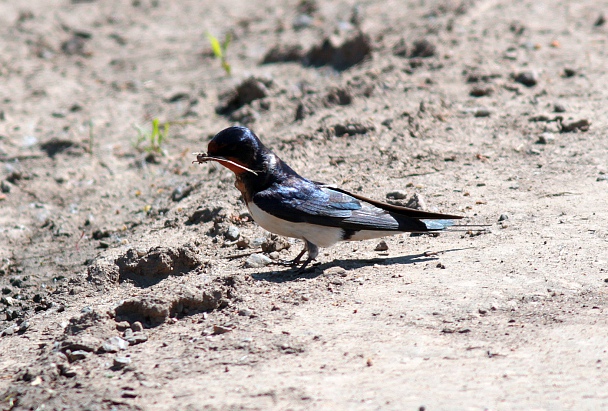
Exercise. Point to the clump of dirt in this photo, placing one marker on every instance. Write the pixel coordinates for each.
(340, 56)
(153, 310)
(150, 267)
(246, 92)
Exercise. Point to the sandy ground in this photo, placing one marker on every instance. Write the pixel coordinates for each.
(126, 272)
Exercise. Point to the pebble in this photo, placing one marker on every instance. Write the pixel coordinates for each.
(7, 301)
(546, 138)
(137, 326)
(136, 338)
(503, 217)
(603, 177)
(275, 243)
(5, 186)
(9, 330)
(114, 344)
(527, 78)
(482, 112)
(257, 261)
(220, 329)
(232, 233)
(382, 246)
(569, 72)
(121, 362)
(66, 370)
(122, 325)
(181, 192)
(302, 21)
(24, 326)
(559, 108)
(396, 195)
(245, 312)
(76, 355)
(242, 243)
(417, 202)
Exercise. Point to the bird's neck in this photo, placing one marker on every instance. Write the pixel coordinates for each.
(271, 170)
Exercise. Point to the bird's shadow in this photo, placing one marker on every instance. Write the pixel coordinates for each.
(292, 274)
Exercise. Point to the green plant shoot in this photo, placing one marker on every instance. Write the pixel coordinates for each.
(155, 138)
(220, 49)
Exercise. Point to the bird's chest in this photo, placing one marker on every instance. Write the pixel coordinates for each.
(242, 187)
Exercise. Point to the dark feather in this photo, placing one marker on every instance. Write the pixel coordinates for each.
(306, 202)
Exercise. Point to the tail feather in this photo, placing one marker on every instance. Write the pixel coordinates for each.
(436, 225)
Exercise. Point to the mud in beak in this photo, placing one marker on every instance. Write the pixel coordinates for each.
(235, 167)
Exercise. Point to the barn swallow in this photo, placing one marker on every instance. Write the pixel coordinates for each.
(285, 203)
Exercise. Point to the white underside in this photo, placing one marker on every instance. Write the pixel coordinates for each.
(319, 235)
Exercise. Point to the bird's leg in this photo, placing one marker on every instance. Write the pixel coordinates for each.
(313, 252)
(296, 260)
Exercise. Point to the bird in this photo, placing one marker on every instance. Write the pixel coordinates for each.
(283, 202)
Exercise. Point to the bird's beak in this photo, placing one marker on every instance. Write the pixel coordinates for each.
(236, 167)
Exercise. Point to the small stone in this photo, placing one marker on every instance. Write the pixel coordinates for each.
(257, 261)
(503, 217)
(128, 333)
(396, 195)
(7, 301)
(274, 255)
(220, 329)
(423, 48)
(121, 362)
(479, 91)
(76, 355)
(545, 138)
(603, 177)
(245, 312)
(600, 21)
(569, 72)
(115, 344)
(66, 370)
(242, 243)
(482, 112)
(275, 243)
(23, 327)
(382, 246)
(527, 78)
(181, 192)
(6, 186)
(232, 233)
(136, 338)
(417, 202)
(559, 108)
(9, 330)
(122, 325)
(137, 326)
(301, 21)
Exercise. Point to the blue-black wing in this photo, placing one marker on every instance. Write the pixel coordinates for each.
(307, 202)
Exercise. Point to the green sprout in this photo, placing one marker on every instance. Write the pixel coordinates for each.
(219, 50)
(155, 138)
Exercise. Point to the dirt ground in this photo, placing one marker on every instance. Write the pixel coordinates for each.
(131, 279)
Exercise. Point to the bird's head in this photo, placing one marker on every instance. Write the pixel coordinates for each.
(238, 149)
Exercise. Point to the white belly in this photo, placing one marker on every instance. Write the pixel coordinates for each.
(316, 234)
